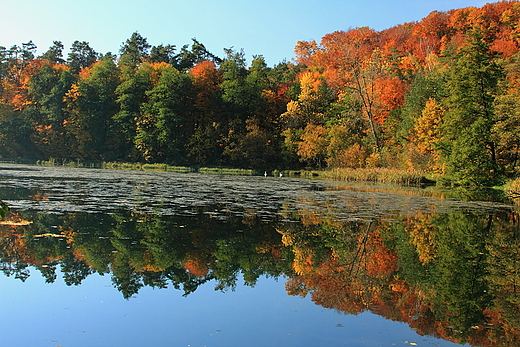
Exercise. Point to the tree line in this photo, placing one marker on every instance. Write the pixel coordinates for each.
(439, 95)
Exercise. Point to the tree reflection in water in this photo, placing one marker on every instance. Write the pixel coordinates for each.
(454, 276)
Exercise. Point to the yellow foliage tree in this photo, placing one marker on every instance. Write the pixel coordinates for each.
(308, 106)
(313, 145)
(427, 127)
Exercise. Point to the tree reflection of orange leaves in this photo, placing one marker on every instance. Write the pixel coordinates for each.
(39, 197)
(152, 268)
(79, 254)
(275, 252)
(329, 287)
(303, 260)
(149, 263)
(196, 267)
(328, 291)
(12, 244)
(262, 248)
(506, 336)
(382, 261)
(399, 286)
(288, 237)
(412, 308)
(295, 286)
(309, 218)
(334, 292)
(268, 248)
(307, 213)
(486, 338)
(12, 235)
(89, 257)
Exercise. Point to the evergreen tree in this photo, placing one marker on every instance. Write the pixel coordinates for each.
(81, 55)
(467, 149)
(134, 50)
(55, 53)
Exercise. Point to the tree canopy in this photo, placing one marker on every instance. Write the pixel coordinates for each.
(436, 95)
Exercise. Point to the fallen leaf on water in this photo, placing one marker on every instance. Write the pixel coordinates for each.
(12, 222)
(49, 235)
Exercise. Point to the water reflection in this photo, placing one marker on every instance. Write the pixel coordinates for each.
(451, 275)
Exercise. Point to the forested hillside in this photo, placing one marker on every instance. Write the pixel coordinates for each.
(440, 95)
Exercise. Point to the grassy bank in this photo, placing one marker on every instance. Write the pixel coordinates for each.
(376, 175)
(147, 167)
(227, 171)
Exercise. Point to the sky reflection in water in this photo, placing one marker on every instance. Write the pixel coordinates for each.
(94, 314)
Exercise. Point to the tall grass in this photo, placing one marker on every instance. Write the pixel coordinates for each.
(227, 171)
(167, 168)
(146, 167)
(376, 175)
(512, 188)
(122, 166)
(68, 163)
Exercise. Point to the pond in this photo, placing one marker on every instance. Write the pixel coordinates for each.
(94, 257)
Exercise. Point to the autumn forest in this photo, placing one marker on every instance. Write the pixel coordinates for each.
(441, 95)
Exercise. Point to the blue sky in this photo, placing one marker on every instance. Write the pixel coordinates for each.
(268, 27)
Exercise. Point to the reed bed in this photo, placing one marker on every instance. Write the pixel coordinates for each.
(512, 188)
(376, 175)
(227, 171)
(166, 168)
(122, 166)
(146, 167)
(68, 163)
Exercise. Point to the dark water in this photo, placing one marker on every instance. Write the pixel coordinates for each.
(106, 257)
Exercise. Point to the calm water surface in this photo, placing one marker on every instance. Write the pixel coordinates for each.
(107, 257)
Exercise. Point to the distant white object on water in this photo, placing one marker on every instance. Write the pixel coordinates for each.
(281, 174)
(265, 174)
